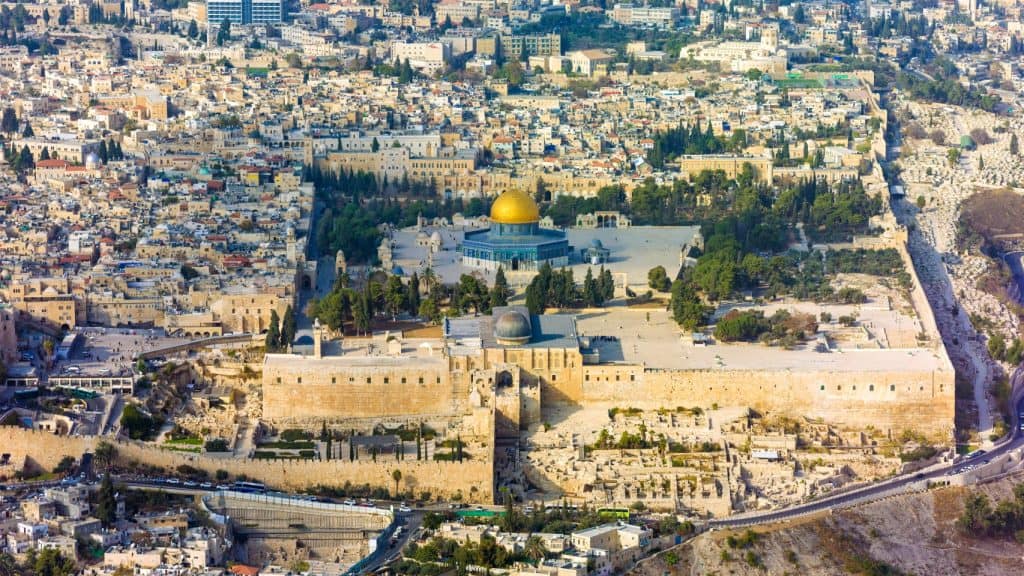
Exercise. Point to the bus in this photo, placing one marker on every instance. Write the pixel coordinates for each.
(249, 487)
(617, 513)
(479, 513)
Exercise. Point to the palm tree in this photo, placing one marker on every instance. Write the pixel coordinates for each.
(429, 278)
(534, 549)
(396, 475)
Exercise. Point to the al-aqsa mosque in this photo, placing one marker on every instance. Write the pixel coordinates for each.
(515, 241)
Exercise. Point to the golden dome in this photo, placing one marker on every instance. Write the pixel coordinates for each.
(514, 207)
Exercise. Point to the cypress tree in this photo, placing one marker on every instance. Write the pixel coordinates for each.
(606, 284)
(106, 505)
(273, 337)
(590, 297)
(24, 161)
(500, 292)
(413, 298)
(288, 327)
(9, 121)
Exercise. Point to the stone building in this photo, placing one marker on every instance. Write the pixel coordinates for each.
(46, 300)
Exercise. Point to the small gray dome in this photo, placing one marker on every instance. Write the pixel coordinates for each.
(512, 327)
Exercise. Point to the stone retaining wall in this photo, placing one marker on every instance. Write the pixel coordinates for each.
(445, 479)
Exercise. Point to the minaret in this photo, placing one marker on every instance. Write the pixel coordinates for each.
(340, 266)
(318, 336)
(290, 246)
(770, 37)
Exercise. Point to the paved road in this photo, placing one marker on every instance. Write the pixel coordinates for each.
(113, 424)
(324, 277)
(411, 524)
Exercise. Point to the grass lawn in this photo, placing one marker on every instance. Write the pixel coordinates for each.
(188, 441)
(192, 449)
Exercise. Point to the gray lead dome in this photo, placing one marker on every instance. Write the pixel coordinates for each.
(512, 327)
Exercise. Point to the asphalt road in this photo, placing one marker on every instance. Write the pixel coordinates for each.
(410, 524)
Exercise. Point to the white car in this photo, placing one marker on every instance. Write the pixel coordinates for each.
(404, 509)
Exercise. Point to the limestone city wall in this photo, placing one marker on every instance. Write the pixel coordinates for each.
(444, 479)
(887, 400)
(296, 393)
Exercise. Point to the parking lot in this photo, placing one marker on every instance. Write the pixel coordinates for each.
(109, 351)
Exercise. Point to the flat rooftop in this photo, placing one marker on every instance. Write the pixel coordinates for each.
(365, 353)
(650, 337)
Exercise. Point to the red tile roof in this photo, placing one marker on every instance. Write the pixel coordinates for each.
(52, 163)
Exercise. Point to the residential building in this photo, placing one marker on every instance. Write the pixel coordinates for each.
(426, 56)
(632, 15)
(244, 11)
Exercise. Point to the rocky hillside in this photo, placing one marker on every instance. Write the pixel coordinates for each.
(912, 534)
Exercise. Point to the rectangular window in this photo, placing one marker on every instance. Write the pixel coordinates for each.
(334, 380)
(299, 380)
(386, 379)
